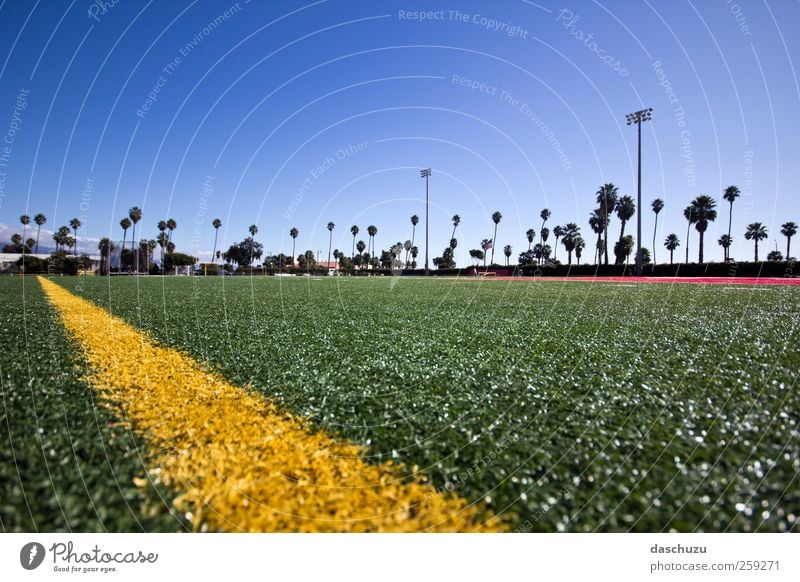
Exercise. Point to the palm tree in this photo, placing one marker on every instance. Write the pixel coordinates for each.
(144, 248)
(125, 223)
(530, 234)
(170, 247)
(414, 253)
(151, 247)
(25, 220)
(571, 234)
(544, 252)
(755, 232)
(253, 230)
(75, 224)
(354, 232)
(496, 218)
(39, 219)
(507, 253)
(106, 247)
(395, 250)
(580, 244)
(725, 242)
(171, 225)
(558, 232)
(414, 222)
(372, 231)
(657, 205)
(162, 240)
(331, 226)
(477, 255)
(485, 244)
(624, 247)
(361, 247)
(135, 214)
(688, 214)
(788, 229)
(60, 236)
(456, 221)
(544, 215)
(216, 223)
(597, 222)
(731, 194)
(672, 242)
(294, 233)
(607, 201)
(775, 256)
(625, 210)
(705, 211)
(544, 234)
(16, 239)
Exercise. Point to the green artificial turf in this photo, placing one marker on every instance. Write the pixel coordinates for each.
(66, 463)
(567, 406)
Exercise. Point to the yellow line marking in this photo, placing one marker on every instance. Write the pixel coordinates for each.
(239, 462)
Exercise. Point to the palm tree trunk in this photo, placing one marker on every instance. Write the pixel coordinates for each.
(293, 251)
(756, 250)
(688, 231)
(700, 252)
(214, 252)
(788, 242)
(621, 234)
(38, 230)
(655, 229)
(605, 244)
(555, 254)
(597, 248)
(413, 234)
(353, 252)
(133, 238)
(671, 252)
(730, 221)
(494, 240)
(330, 242)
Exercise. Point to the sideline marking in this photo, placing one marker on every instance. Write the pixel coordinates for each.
(239, 462)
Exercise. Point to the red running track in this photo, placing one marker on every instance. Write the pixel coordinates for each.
(695, 280)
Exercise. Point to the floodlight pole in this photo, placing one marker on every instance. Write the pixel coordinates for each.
(639, 205)
(638, 117)
(426, 173)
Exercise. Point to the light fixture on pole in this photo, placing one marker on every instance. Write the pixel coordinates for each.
(426, 173)
(638, 118)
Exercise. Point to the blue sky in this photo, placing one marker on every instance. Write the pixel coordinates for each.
(298, 113)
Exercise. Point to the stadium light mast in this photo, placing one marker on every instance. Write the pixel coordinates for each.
(639, 117)
(426, 173)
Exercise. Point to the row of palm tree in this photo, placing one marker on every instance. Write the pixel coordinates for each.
(66, 237)
(39, 219)
(700, 212)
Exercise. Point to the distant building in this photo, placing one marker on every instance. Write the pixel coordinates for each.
(332, 266)
(8, 261)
